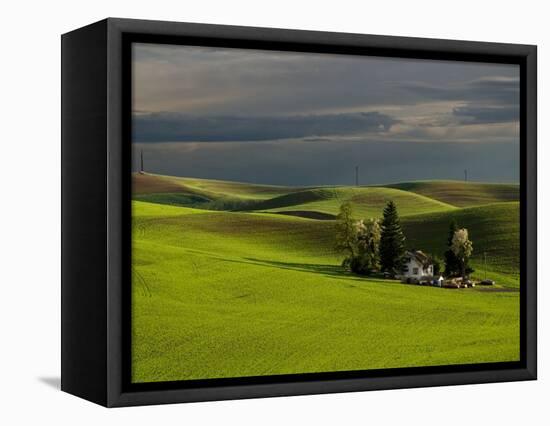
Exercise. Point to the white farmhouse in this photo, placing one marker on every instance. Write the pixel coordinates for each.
(417, 265)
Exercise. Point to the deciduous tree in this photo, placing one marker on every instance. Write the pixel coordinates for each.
(346, 230)
(462, 247)
(368, 244)
(452, 265)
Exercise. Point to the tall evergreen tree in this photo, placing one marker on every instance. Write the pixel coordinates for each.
(392, 241)
(452, 263)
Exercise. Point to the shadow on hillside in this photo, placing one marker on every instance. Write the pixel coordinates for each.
(323, 269)
(332, 270)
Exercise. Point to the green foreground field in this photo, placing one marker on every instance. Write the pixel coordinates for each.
(255, 292)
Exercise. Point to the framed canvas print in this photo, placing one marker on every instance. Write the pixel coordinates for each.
(253, 212)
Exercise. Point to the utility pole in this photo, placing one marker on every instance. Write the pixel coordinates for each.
(141, 169)
(465, 175)
(356, 175)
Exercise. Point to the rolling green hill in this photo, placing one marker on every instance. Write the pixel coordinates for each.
(207, 194)
(461, 194)
(224, 195)
(241, 234)
(267, 292)
(367, 202)
(146, 183)
(493, 228)
(251, 271)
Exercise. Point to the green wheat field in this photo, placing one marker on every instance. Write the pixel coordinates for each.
(235, 279)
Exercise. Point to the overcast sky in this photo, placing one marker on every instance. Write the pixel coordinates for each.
(309, 119)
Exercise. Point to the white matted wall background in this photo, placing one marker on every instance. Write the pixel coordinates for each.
(30, 212)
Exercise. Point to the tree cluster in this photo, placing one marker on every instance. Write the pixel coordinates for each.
(371, 245)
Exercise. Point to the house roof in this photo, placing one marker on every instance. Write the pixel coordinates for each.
(419, 256)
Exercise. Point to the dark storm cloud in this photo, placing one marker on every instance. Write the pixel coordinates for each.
(218, 81)
(499, 90)
(306, 118)
(176, 127)
(486, 115)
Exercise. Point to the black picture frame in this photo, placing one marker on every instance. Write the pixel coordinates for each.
(96, 225)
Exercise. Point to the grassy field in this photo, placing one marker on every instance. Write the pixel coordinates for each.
(494, 229)
(462, 194)
(368, 202)
(248, 291)
(234, 196)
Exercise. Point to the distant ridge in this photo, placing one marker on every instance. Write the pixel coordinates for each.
(461, 194)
